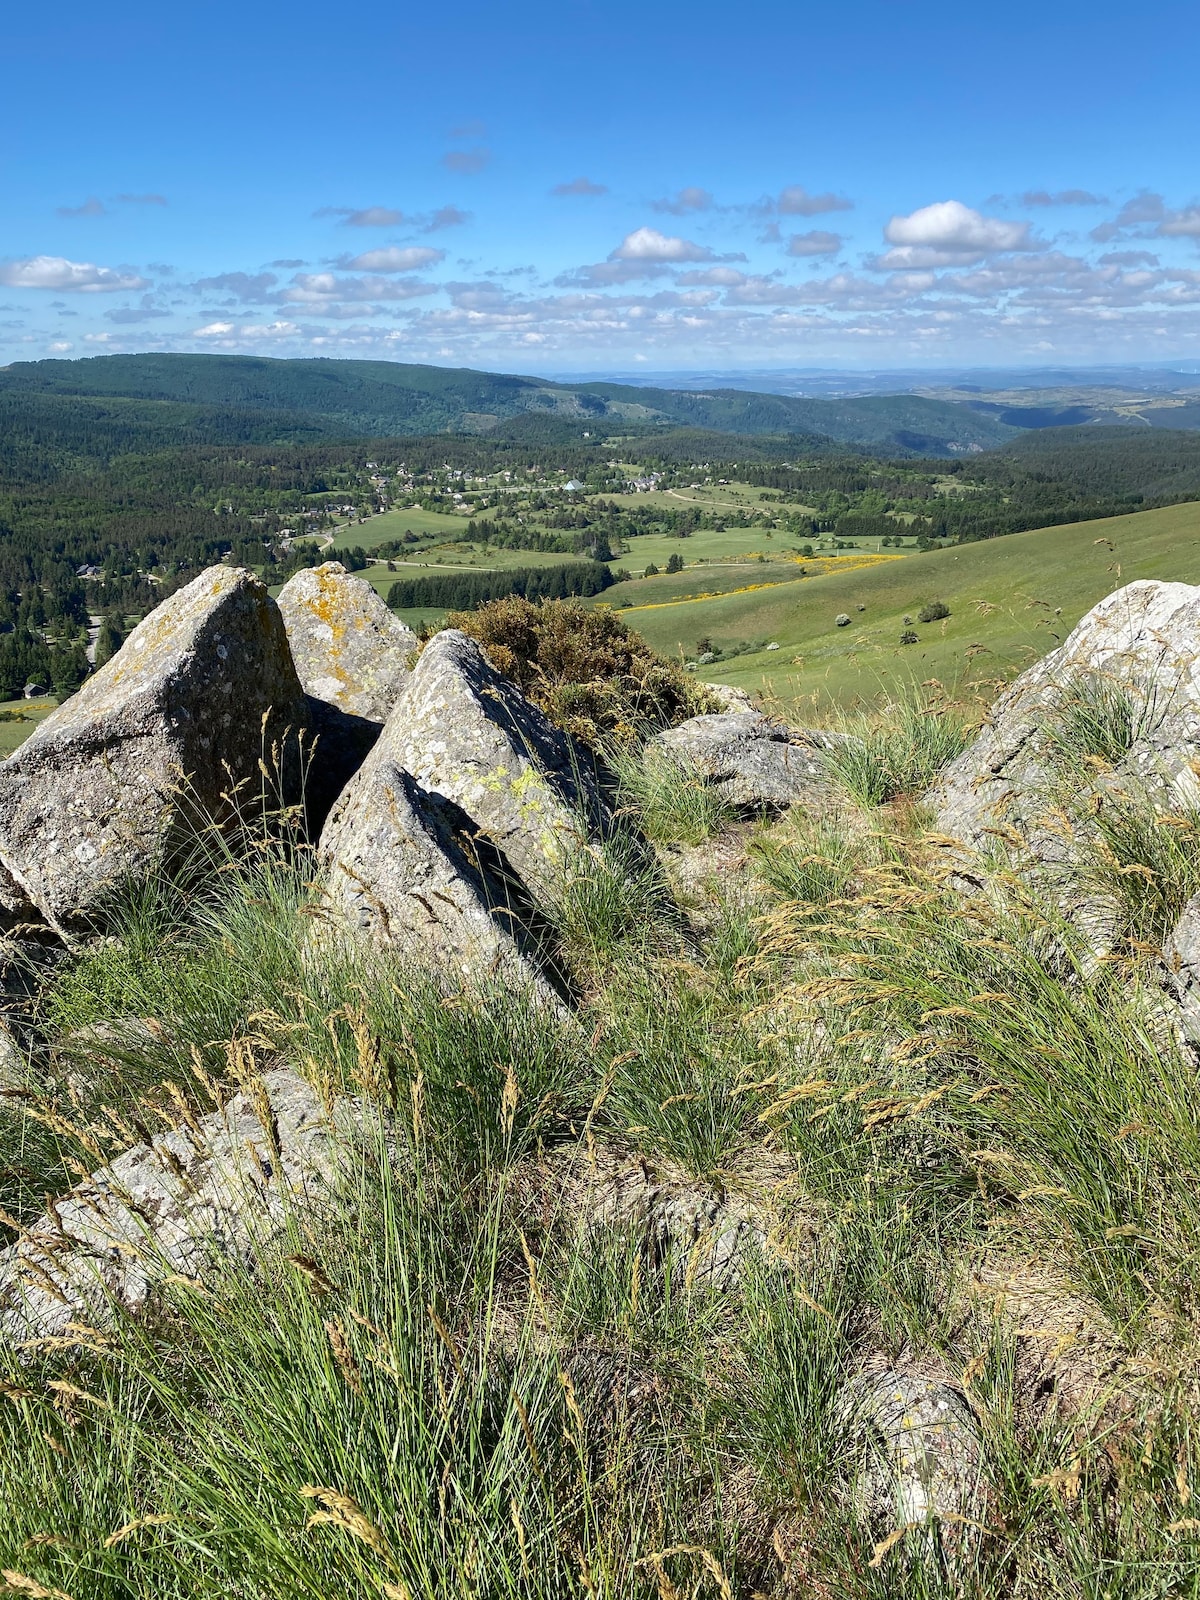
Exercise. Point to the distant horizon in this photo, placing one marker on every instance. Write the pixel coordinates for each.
(675, 188)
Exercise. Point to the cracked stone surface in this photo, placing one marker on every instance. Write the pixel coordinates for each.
(217, 1187)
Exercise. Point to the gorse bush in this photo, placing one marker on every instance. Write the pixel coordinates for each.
(585, 668)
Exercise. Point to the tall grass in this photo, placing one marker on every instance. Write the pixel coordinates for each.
(895, 751)
(449, 1380)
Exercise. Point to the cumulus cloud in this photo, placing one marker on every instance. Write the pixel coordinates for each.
(1128, 258)
(1145, 207)
(648, 244)
(578, 186)
(1183, 224)
(56, 272)
(467, 161)
(1064, 197)
(795, 201)
(814, 243)
(212, 330)
(287, 263)
(721, 277)
(248, 286)
(678, 205)
(948, 233)
(322, 288)
(393, 259)
(91, 207)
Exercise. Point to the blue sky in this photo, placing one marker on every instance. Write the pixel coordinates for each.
(583, 186)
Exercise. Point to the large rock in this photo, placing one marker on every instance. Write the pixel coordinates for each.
(1139, 642)
(468, 735)
(352, 656)
(918, 1456)
(398, 874)
(751, 760)
(153, 746)
(218, 1188)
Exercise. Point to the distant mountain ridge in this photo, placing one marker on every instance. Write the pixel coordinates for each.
(325, 398)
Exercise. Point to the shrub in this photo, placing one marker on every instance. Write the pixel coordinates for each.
(585, 668)
(908, 637)
(934, 611)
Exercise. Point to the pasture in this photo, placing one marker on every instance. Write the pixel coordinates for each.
(1011, 600)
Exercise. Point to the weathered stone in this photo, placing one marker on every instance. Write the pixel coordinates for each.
(395, 875)
(918, 1456)
(751, 760)
(218, 1188)
(151, 746)
(1181, 959)
(687, 1229)
(730, 698)
(468, 735)
(352, 655)
(1141, 640)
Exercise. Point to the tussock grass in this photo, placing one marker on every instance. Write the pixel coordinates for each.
(895, 751)
(668, 795)
(443, 1382)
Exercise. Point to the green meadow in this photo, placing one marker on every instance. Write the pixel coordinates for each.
(1011, 600)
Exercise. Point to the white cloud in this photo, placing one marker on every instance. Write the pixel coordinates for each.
(647, 244)
(795, 201)
(949, 233)
(60, 346)
(1183, 224)
(56, 272)
(321, 289)
(721, 277)
(466, 161)
(814, 243)
(393, 259)
(212, 330)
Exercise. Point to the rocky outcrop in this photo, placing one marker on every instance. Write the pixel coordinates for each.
(468, 735)
(352, 657)
(751, 760)
(917, 1449)
(217, 1188)
(397, 874)
(164, 738)
(1128, 675)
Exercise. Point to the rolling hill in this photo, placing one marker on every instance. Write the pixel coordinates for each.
(374, 399)
(1011, 600)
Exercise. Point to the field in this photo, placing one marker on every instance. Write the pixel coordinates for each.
(14, 732)
(1011, 600)
(393, 525)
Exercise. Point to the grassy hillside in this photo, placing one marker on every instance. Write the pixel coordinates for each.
(378, 398)
(1010, 599)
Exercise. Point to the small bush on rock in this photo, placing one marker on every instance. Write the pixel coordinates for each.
(584, 668)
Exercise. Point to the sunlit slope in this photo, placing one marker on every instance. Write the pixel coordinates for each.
(1011, 600)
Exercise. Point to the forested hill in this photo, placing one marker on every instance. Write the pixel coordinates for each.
(257, 400)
